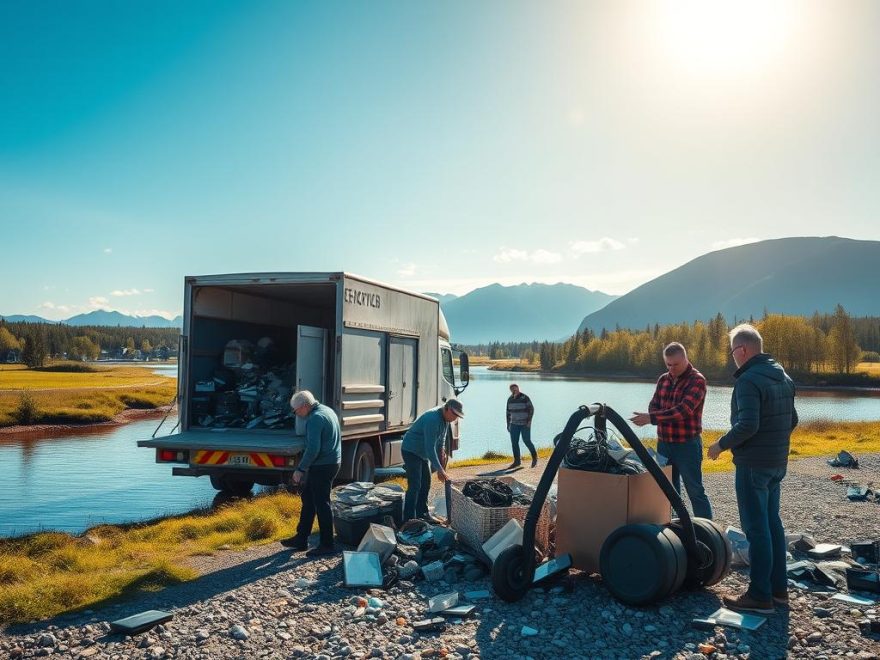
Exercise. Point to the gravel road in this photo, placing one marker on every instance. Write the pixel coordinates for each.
(269, 603)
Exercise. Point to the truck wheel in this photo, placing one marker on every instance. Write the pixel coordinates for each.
(364, 463)
(232, 485)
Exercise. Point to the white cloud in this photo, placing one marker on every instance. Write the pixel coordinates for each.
(733, 242)
(98, 302)
(545, 257)
(406, 270)
(125, 292)
(540, 256)
(510, 254)
(108, 250)
(604, 244)
(149, 290)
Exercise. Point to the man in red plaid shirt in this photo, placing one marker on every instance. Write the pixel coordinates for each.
(677, 410)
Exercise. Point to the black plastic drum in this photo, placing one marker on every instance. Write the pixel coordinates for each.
(711, 536)
(642, 563)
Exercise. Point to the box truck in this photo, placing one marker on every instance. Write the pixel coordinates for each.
(378, 355)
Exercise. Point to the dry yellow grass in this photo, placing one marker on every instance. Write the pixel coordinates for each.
(870, 368)
(45, 574)
(19, 377)
(76, 398)
(50, 573)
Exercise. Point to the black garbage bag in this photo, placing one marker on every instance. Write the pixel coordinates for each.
(844, 459)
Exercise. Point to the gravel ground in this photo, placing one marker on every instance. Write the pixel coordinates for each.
(269, 603)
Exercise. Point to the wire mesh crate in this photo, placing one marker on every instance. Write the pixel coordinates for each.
(475, 524)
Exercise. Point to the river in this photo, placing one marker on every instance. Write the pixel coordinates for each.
(80, 479)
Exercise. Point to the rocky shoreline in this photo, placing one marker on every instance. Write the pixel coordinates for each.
(269, 603)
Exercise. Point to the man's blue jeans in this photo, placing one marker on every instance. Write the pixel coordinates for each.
(757, 497)
(526, 431)
(686, 459)
(418, 484)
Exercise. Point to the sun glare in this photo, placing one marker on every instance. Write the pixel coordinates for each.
(724, 38)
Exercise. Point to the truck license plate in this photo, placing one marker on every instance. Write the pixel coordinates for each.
(239, 459)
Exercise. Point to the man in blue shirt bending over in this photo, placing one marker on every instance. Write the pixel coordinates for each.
(423, 453)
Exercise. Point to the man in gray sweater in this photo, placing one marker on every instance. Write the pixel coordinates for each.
(315, 473)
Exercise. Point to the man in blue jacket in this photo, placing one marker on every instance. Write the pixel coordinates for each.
(762, 416)
(315, 473)
(423, 453)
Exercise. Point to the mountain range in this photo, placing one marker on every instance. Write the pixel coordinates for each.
(785, 276)
(520, 313)
(104, 317)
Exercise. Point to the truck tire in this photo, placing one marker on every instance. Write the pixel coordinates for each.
(364, 465)
(232, 485)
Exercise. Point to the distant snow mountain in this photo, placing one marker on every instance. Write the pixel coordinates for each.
(25, 318)
(104, 317)
(523, 312)
(442, 297)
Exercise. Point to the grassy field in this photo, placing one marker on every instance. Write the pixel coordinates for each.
(35, 396)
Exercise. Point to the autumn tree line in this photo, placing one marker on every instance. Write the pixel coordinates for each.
(821, 344)
(35, 343)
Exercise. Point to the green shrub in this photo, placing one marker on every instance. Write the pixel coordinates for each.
(870, 356)
(27, 411)
(259, 526)
(68, 367)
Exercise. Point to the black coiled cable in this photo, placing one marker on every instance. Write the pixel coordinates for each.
(492, 493)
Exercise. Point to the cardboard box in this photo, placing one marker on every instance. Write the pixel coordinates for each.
(591, 505)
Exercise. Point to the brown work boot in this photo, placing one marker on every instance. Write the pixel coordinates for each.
(781, 598)
(748, 604)
(513, 465)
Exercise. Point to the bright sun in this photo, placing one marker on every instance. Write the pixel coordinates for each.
(724, 38)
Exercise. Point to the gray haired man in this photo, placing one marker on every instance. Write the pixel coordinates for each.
(316, 471)
(762, 416)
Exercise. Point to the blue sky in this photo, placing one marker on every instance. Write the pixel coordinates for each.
(439, 146)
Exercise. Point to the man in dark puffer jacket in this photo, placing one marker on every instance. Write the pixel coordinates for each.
(762, 416)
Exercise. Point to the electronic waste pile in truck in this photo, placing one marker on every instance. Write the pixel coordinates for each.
(378, 355)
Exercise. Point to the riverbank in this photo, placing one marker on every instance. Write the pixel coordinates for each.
(265, 601)
(76, 395)
(42, 431)
(865, 379)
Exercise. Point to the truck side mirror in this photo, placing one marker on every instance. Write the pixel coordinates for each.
(463, 370)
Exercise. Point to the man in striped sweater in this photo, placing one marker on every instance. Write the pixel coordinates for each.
(519, 423)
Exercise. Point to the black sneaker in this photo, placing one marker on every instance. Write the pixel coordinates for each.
(534, 461)
(296, 542)
(513, 465)
(322, 550)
